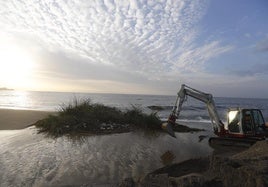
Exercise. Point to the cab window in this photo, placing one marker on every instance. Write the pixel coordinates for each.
(247, 121)
(258, 119)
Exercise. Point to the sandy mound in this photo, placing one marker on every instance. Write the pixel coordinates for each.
(247, 168)
(257, 151)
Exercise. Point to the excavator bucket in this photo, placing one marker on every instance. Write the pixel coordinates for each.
(168, 128)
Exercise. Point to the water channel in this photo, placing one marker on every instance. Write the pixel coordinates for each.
(31, 159)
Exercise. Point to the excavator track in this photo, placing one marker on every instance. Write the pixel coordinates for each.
(216, 142)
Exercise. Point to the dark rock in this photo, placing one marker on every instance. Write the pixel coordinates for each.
(199, 165)
(183, 128)
(128, 182)
(190, 180)
(153, 107)
(159, 180)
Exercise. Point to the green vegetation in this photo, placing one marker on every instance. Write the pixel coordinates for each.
(84, 117)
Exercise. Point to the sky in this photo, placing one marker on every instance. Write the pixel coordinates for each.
(135, 46)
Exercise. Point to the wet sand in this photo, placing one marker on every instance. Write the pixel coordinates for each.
(19, 119)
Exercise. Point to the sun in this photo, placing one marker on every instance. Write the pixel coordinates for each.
(16, 67)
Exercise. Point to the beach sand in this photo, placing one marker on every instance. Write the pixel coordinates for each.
(19, 119)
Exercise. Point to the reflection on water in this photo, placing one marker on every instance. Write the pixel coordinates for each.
(30, 159)
(16, 100)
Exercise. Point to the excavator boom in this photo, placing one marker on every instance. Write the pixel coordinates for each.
(207, 98)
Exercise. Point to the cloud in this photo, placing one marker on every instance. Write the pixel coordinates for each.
(144, 43)
(193, 59)
(147, 37)
(68, 66)
(255, 70)
(262, 46)
(254, 65)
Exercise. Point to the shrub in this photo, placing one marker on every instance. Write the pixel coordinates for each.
(86, 117)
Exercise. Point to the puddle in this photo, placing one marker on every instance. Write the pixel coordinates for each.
(30, 159)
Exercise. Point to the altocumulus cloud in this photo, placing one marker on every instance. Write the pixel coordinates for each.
(145, 37)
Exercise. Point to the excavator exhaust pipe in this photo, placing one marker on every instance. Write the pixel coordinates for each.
(168, 128)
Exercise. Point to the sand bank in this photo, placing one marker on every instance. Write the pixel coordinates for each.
(19, 119)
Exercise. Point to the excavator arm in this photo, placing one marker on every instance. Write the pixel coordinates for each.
(185, 91)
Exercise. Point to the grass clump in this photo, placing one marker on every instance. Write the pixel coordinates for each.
(91, 118)
(136, 117)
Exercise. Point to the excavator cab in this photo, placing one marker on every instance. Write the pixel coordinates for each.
(246, 122)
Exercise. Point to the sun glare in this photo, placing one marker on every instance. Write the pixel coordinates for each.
(16, 67)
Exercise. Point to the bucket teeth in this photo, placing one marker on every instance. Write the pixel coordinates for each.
(168, 128)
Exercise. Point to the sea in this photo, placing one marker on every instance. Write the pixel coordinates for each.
(28, 158)
(193, 110)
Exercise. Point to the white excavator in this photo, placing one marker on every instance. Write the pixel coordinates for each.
(244, 126)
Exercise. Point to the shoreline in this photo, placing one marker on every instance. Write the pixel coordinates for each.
(15, 119)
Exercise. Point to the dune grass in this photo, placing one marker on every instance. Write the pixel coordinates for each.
(85, 117)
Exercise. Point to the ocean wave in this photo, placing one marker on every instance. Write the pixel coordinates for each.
(195, 119)
(169, 107)
(51, 101)
(160, 107)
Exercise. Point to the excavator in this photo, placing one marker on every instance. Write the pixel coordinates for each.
(244, 126)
